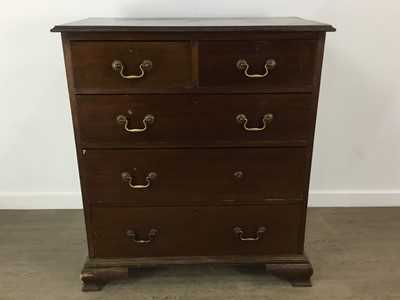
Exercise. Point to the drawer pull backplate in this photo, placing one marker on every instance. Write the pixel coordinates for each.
(260, 232)
(152, 176)
(243, 65)
(242, 119)
(148, 120)
(152, 233)
(119, 67)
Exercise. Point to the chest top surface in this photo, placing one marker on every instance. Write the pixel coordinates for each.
(272, 24)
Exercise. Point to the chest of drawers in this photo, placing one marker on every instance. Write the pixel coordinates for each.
(194, 140)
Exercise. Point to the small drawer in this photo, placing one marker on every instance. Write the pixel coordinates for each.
(231, 176)
(99, 67)
(196, 231)
(162, 120)
(284, 64)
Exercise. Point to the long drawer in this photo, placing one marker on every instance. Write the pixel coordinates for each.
(132, 120)
(152, 177)
(196, 231)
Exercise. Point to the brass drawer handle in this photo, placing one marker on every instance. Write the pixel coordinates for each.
(119, 67)
(243, 65)
(152, 176)
(151, 235)
(242, 119)
(260, 232)
(148, 120)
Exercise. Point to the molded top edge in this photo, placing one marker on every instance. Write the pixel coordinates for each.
(277, 24)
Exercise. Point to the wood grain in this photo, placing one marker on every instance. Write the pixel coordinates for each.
(93, 72)
(294, 63)
(280, 24)
(200, 230)
(195, 145)
(192, 118)
(196, 176)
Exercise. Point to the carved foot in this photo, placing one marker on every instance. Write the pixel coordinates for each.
(298, 274)
(94, 278)
(91, 287)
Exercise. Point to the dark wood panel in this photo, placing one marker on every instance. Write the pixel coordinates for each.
(313, 118)
(190, 176)
(201, 144)
(185, 36)
(188, 260)
(192, 119)
(78, 145)
(294, 63)
(92, 65)
(196, 231)
(198, 90)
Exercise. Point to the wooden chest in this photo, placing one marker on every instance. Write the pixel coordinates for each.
(194, 140)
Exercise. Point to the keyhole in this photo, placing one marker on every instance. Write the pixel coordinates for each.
(130, 48)
(195, 100)
(257, 47)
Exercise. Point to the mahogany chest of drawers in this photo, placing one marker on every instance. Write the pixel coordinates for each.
(194, 140)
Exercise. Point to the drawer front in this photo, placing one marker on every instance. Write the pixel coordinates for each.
(196, 231)
(194, 176)
(94, 71)
(197, 118)
(218, 64)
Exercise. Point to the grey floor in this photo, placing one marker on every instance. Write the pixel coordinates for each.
(355, 253)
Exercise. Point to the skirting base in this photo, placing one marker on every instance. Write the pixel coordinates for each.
(98, 271)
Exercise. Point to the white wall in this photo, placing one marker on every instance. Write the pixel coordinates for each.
(357, 146)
